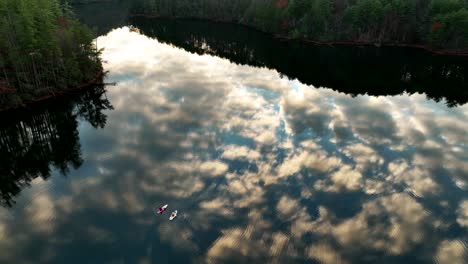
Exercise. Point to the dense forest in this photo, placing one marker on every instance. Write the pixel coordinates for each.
(43, 50)
(435, 23)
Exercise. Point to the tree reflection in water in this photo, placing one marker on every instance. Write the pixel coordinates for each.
(348, 69)
(36, 140)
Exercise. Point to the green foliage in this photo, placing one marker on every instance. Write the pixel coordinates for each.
(297, 9)
(446, 6)
(394, 21)
(452, 30)
(311, 18)
(44, 49)
(365, 17)
(264, 16)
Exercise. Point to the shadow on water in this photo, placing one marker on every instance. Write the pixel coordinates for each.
(349, 69)
(36, 140)
(103, 16)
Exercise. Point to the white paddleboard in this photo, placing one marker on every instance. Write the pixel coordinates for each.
(173, 215)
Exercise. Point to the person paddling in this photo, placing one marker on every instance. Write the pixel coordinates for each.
(173, 215)
(162, 209)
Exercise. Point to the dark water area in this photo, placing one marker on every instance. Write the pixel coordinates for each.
(35, 140)
(103, 16)
(350, 69)
(261, 167)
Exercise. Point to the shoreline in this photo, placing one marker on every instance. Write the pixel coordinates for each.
(278, 36)
(83, 86)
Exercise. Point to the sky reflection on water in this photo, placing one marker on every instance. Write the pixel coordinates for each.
(261, 168)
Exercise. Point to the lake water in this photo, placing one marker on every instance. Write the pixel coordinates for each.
(262, 168)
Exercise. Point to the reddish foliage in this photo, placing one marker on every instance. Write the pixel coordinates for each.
(436, 26)
(285, 25)
(4, 89)
(63, 22)
(281, 4)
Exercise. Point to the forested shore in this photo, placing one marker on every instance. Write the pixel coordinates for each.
(437, 25)
(44, 51)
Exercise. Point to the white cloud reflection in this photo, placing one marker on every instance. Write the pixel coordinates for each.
(452, 251)
(462, 211)
(257, 165)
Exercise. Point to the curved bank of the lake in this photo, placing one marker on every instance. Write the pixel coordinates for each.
(97, 80)
(284, 37)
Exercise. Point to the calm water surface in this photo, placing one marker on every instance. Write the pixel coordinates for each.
(262, 169)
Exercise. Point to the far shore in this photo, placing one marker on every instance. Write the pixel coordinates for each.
(448, 52)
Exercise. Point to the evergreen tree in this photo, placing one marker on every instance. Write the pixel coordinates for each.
(44, 49)
(440, 23)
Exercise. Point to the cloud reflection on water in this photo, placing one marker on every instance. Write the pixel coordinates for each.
(261, 167)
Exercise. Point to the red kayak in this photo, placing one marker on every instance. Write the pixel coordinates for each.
(162, 209)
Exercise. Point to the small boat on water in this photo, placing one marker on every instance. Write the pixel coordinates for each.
(162, 209)
(173, 215)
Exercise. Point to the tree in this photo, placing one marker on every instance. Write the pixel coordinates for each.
(365, 18)
(446, 6)
(43, 48)
(394, 21)
(450, 30)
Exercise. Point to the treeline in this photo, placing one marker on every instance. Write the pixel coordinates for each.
(43, 50)
(86, 1)
(438, 23)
